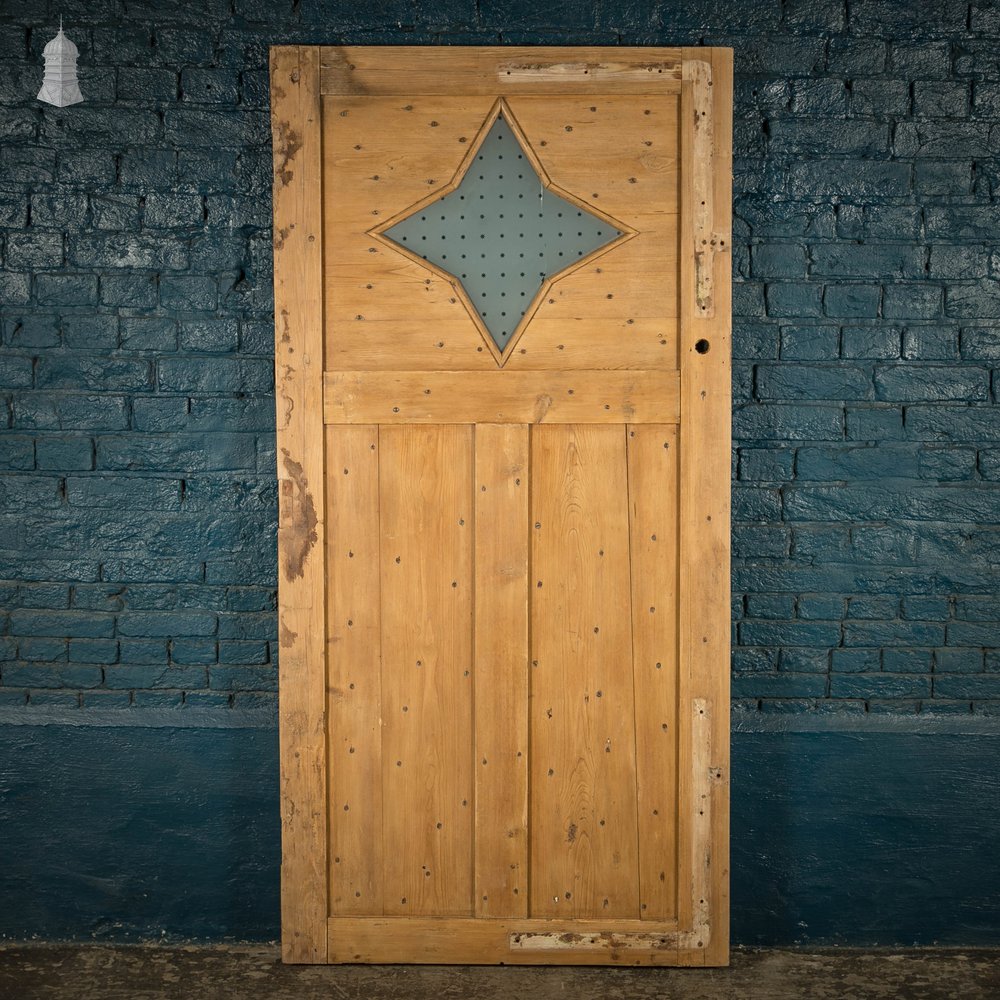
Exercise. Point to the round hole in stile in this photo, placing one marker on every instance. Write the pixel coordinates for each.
(702, 346)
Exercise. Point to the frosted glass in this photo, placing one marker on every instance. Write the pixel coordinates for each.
(501, 233)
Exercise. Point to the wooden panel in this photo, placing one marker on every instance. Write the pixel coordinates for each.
(652, 493)
(501, 670)
(390, 156)
(298, 299)
(411, 70)
(426, 513)
(354, 654)
(596, 397)
(387, 155)
(583, 807)
(512, 941)
(703, 638)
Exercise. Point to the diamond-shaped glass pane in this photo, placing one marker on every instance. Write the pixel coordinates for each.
(501, 232)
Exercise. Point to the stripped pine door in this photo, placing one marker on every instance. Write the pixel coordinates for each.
(502, 289)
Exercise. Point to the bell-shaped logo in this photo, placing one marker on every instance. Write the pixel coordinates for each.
(59, 86)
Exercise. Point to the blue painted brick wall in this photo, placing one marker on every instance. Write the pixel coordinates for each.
(137, 496)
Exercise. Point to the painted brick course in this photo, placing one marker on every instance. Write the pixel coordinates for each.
(137, 532)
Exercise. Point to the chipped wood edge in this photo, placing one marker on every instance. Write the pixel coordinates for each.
(704, 362)
(298, 296)
(409, 70)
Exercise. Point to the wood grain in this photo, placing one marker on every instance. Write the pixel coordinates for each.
(508, 397)
(426, 512)
(354, 656)
(499, 941)
(298, 295)
(704, 531)
(410, 71)
(652, 499)
(501, 670)
(583, 808)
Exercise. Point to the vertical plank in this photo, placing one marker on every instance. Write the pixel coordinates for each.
(354, 654)
(501, 670)
(652, 492)
(425, 488)
(703, 631)
(298, 294)
(583, 827)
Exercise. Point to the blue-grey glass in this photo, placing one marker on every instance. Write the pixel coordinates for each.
(502, 233)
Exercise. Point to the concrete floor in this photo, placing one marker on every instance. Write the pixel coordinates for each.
(101, 972)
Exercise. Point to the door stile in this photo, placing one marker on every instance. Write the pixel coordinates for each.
(500, 690)
(298, 295)
(705, 436)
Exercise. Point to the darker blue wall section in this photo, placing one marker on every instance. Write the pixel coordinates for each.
(137, 472)
(839, 838)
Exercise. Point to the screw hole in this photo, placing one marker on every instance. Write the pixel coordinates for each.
(702, 346)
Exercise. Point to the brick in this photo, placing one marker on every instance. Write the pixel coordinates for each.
(118, 492)
(747, 660)
(920, 382)
(855, 661)
(958, 660)
(821, 96)
(103, 651)
(209, 336)
(243, 652)
(867, 260)
(882, 685)
(66, 289)
(912, 301)
(52, 675)
(930, 343)
(188, 127)
(947, 139)
(871, 503)
(876, 342)
(215, 375)
(68, 411)
(766, 464)
(170, 210)
(34, 250)
(970, 686)
(880, 98)
(958, 262)
(187, 293)
(852, 301)
(810, 343)
(760, 541)
(922, 59)
(942, 178)
(779, 685)
(781, 422)
(187, 452)
(803, 661)
(243, 678)
(90, 332)
(209, 86)
(129, 291)
(154, 676)
(793, 299)
(813, 381)
(959, 633)
(958, 222)
(15, 289)
(62, 624)
(794, 633)
(941, 99)
(156, 334)
(842, 137)
(32, 332)
(65, 453)
(127, 250)
(166, 624)
(115, 212)
(146, 85)
(853, 462)
(947, 464)
(779, 260)
(17, 453)
(194, 652)
(91, 371)
(856, 56)
(148, 168)
(979, 300)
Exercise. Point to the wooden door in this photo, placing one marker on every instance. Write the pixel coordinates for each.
(504, 553)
